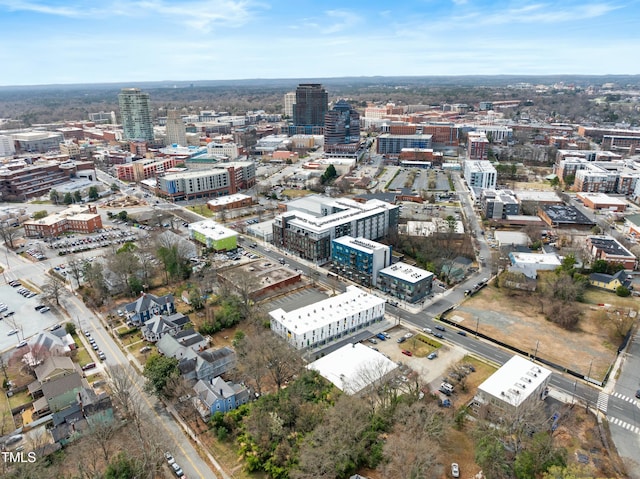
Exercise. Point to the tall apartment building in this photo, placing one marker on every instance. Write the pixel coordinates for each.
(176, 129)
(477, 146)
(393, 144)
(310, 237)
(341, 125)
(359, 259)
(594, 178)
(480, 174)
(312, 104)
(328, 320)
(289, 102)
(136, 114)
(222, 179)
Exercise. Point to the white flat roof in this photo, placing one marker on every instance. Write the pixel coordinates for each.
(353, 367)
(212, 230)
(361, 244)
(537, 195)
(515, 380)
(512, 237)
(327, 311)
(225, 200)
(602, 198)
(352, 211)
(536, 258)
(405, 272)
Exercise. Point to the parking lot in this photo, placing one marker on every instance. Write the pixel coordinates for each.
(25, 319)
(79, 243)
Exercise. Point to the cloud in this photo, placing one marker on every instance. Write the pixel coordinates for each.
(548, 13)
(198, 14)
(345, 21)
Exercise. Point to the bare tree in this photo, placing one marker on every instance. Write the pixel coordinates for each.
(76, 267)
(8, 234)
(53, 289)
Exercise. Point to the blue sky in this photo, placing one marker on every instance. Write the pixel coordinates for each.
(78, 41)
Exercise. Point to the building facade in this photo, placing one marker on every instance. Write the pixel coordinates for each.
(609, 249)
(176, 129)
(388, 144)
(144, 169)
(498, 204)
(37, 141)
(359, 259)
(480, 174)
(341, 126)
(310, 237)
(7, 148)
(135, 113)
(289, 102)
(405, 282)
(311, 106)
(222, 179)
(328, 320)
(213, 235)
(68, 221)
(477, 145)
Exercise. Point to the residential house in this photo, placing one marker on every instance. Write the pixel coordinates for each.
(88, 410)
(610, 282)
(148, 305)
(195, 362)
(218, 395)
(48, 343)
(158, 326)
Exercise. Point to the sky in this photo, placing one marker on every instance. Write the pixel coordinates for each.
(79, 41)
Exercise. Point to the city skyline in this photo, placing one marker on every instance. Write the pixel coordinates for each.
(55, 42)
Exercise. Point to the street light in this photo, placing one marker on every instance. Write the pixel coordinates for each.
(536, 351)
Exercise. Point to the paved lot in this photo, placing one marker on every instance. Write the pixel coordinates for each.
(27, 320)
(298, 299)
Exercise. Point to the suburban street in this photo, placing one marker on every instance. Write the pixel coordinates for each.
(176, 440)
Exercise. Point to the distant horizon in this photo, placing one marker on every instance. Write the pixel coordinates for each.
(396, 79)
(56, 42)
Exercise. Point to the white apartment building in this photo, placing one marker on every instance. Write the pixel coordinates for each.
(309, 236)
(480, 174)
(497, 133)
(230, 150)
(289, 101)
(518, 383)
(7, 148)
(328, 320)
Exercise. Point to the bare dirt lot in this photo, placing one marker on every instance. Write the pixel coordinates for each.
(516, 318)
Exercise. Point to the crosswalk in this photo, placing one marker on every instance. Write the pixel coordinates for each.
(624, 424)
(625, 398)
(603, 401)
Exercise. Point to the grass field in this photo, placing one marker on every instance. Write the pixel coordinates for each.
(296, 193)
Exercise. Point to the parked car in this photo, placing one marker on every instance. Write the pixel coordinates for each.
(401, 339)
(101, 356)
(145, 349)
(438, 335)
(12, 332)
(406, 352)
(372, 341)
(88, 366)
(45, 309)
(439, 327)
(56, 326)
(381, 337)
(462, 333)
(22, 344)
(432, 355)
(169, 458)
(455, 469)
(427, 330)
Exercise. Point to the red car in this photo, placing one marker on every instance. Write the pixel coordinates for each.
(407, 353)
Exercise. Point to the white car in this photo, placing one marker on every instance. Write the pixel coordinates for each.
(12, 332)
(455, 469)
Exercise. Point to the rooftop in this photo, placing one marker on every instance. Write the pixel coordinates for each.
(610, 246)
(211, 229)
(361, 244)
(327, 311)
(566, 215)
(406, 273)
(515, 381)
(353, 367)
(225, 200)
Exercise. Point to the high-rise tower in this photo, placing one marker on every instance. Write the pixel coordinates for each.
(176, 129)
(312, 103)
(342, 125)
(135, 114)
